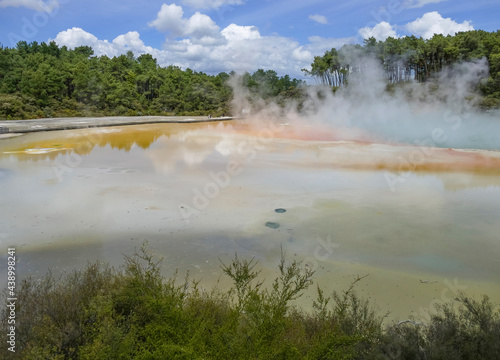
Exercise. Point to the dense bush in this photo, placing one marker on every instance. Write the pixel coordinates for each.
(135, 313)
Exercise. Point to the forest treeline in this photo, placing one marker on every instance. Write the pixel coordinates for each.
(45, 80)
(415, 59)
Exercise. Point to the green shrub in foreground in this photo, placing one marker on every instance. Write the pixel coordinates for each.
(135, 313)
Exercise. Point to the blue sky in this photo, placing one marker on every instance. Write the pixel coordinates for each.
(241, 35)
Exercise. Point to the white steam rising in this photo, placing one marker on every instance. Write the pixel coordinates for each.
(410, 114)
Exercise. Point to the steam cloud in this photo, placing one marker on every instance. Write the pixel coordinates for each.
(365, 110)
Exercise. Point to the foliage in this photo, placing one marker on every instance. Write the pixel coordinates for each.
(44, 80)
(411, 58)
(135, 313)
(267, 84)
(466, 329)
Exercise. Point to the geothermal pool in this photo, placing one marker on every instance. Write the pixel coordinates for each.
(423, 222)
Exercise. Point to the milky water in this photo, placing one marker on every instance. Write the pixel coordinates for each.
(201, 192)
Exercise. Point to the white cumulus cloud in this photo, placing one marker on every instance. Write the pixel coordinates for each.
(319, 19)
(38, 5)
(433, 23)
(302, 55)
(211, 4)
(76, 37)
(200, 25)
(235, 32)
(170, 19)
(381, 31)
(130, 41)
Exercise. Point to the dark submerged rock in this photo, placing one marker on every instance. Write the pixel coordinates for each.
(272, 225)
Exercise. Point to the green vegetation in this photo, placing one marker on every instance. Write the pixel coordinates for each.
(44, 80)
(135, 313)
(412, 58)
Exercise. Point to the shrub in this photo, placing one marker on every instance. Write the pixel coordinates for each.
(135, 313)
